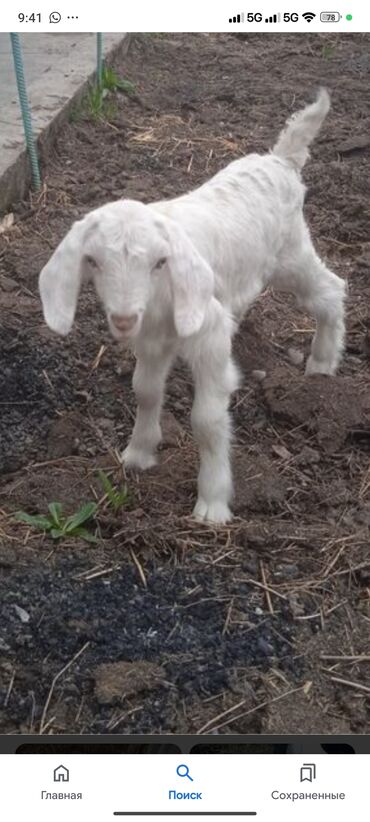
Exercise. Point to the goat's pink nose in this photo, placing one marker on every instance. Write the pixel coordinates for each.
(123, 323)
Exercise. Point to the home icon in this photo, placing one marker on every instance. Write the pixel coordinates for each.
(61, 774)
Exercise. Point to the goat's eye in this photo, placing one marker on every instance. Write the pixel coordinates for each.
(160, 263)
(91, 262)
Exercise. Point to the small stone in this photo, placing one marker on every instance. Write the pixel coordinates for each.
(6, 223)
(251, 567)
(281, 452)
(288, 571)
(8, 284)
(259, 375)
(308, 456)
(264, 646)
(297, 608)
(258, 611)
(105, 424)
(23, 615)
(124, 369)
(295, 356)
(138, 513)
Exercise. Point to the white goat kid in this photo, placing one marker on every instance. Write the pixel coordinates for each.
(176, 276)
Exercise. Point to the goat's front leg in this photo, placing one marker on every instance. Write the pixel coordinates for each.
(216, 377)
(148, 384)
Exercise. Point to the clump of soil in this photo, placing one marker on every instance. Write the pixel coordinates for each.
(118, 680)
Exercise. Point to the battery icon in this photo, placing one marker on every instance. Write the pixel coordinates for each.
(330, 16)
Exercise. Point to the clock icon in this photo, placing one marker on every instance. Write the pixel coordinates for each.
(55, 17)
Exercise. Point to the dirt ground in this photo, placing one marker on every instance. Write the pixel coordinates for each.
(165, 625)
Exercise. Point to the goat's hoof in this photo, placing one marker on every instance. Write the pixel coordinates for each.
(135, 458)
(316, 367)
(217, 512)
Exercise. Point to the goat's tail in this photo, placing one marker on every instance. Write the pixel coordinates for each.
(301, 129)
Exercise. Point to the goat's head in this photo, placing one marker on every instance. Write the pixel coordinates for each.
(123, 247)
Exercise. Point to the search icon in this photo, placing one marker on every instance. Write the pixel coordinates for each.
(183, 770)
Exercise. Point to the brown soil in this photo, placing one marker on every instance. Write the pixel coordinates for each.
(166, 626)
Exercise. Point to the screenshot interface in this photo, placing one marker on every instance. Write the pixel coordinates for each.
(265, 787)
(184, 411)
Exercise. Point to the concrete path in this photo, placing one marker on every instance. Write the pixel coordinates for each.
(56, 66)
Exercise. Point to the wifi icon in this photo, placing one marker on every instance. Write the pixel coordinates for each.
(309, 15)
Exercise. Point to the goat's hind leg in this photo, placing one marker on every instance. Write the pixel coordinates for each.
(326, 304)
(322, 294)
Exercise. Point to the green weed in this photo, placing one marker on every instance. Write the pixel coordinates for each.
(57, 526)
(116, 495)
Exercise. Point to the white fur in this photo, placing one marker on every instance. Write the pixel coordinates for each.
(189, 269)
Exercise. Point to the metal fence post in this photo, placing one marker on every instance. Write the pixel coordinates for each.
(99, 59)
(25, 110)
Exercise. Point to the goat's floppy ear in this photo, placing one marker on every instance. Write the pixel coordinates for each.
(192, 281)
(60, 281)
